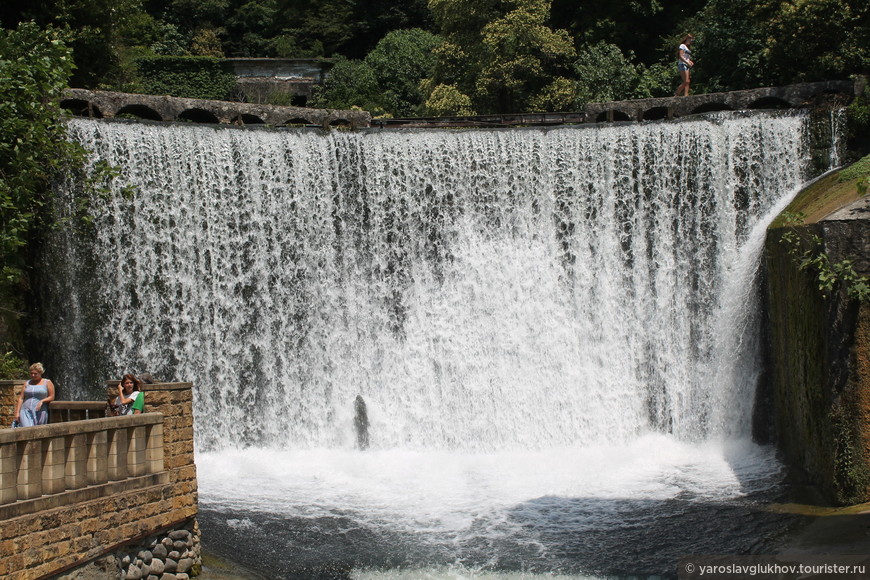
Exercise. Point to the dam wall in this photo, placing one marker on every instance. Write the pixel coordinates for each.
(98, 496)
(819, 360)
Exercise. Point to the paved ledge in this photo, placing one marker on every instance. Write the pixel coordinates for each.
(77, 427)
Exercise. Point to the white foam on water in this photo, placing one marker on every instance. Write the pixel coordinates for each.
(449, 493)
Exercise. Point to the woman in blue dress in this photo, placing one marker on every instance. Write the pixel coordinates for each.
(32, 406)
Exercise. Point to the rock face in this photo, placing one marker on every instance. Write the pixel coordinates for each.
(819, 355)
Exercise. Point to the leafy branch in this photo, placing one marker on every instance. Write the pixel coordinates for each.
(814, 259)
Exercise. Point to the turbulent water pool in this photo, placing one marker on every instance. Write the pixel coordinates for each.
(583, 512)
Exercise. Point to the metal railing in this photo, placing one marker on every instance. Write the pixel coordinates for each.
(64, 411)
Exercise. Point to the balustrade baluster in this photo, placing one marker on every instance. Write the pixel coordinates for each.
(98, 457)
(136, 451)
(76, 471)
(8, 473)
(154, 449)
(30, 469)
(118, 444)
(53, 465)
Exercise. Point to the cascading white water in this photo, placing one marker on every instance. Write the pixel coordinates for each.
(480, 289)
(555, 333)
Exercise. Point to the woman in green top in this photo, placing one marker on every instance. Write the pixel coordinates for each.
(130, 401)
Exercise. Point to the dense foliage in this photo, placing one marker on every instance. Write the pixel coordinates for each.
(461, 56)
(387, 80)
(35, 66)
(194, 77)
(750, 43)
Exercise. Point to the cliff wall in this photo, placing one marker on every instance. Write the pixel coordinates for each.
(819, 350)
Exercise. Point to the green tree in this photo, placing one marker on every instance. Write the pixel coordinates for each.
(459, 57)
(744, 44)
(346, 27)
(312, 24)
(399, 62)
(636, 26)
(603, 73)
(448, 101)
(34, 68)
(731, 45)
(818, 39)
(351, 84)
(500, 53)
(250, 29)
(191, 15)
(98, 29)
(168, 42)
(522, 57)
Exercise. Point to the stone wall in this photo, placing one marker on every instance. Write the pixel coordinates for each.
(819, 353)
(59, 534)
(9, 392)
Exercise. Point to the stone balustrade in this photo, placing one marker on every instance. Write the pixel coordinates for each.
(54, 458)
(79, 489)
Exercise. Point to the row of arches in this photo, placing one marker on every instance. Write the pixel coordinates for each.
(677, 108)
(658, 113)
(83, 108)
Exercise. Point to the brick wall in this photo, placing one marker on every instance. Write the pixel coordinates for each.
(44, 536)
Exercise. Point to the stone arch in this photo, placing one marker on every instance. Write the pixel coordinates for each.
(711, 107)
(655, 114)
(296, 122)
(612, 115)
(81, 108)
(198, 116)
(770, 103)
(248, 119)
(140, 111)
(339, 122)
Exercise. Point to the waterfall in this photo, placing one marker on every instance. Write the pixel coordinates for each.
(480, 290)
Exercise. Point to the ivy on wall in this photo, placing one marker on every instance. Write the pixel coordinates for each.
(192, 77)
(858, 115)
(807, 251)
(851, 474)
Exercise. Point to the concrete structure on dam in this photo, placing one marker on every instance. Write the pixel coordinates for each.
(106, 104)
(99, 104)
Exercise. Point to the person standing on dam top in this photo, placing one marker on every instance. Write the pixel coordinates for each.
(684, 64)
(31, 408)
